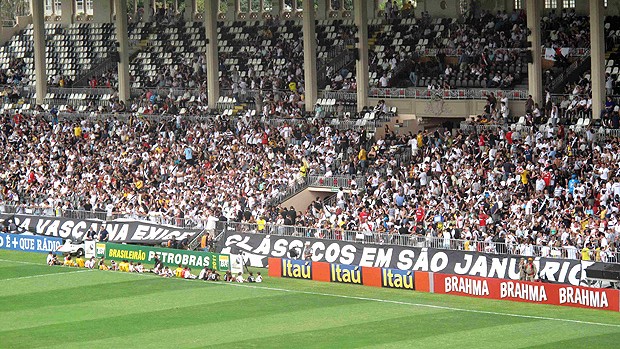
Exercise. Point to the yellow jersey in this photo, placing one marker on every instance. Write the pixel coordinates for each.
(178, 272)
(585, 254)
(80, 262)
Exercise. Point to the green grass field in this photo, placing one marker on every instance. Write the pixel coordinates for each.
(58, 307)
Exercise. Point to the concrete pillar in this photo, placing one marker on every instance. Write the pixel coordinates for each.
(360, 12)
(149, 10)
(102, 11)
(38, 31)
(213, 77)
(372, 10)
(276, 8)
(323, 9)
(534, 73)
(310, 79)
(597, 55)
(124, 90)
(190, 10)
(68, 11)
(232, 7)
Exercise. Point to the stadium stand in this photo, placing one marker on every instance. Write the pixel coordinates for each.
(70, 51)
(543, 183)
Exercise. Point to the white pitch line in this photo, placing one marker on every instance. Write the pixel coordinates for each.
(427, 305)
(399, 302)
(39, 275)
(18, 262)
(421, 305)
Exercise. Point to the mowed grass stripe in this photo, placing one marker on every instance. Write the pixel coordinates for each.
(133, 303)
(543, 333)
(74, 293)
(21, 287)
(587, 340)
(20, 256)
(18, 272)
(178, 317)
(489, 307)
(375, 332)
(230, 331)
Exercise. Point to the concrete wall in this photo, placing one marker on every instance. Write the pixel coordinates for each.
(7, 32)
(301, 201)
(102, 11)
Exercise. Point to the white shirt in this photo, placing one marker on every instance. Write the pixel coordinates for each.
(383, 81)
(571, 252)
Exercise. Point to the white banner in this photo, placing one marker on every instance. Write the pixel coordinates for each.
(89, 249)
(550, 53)
(236, 263)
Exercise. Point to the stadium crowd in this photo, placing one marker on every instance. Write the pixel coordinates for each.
(544, 193)
(175, 168)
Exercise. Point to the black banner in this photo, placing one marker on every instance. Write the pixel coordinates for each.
(257, 247)
(121, 230)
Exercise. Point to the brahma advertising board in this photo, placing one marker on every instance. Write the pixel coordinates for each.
(258, 247)
(532, 292)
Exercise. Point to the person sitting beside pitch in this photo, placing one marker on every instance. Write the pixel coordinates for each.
(102, 265)
(178, 272)
(239, 278)
(113, 266)
(204, 274)
(68, 261)
(158, 266)
(139, 268)
(166, 272)
(52, 259)
(79, 262)
(214, 276)
(90, 264)
(123, 266)
(259, 277)
(187, 273)
(228, 277)
(251, 278)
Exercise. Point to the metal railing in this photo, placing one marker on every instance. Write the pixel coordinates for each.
(424, 93)
(335, 182)
(573, 52)
(469, 127)
(289, 191)
(92, 91)
(412, 240)
(167, 91)
(157, 218)
(9, 23)
(101, 66)
(560, 79)
(362, 236)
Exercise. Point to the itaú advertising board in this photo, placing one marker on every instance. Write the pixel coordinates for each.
(522, 291)
(343, 273)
